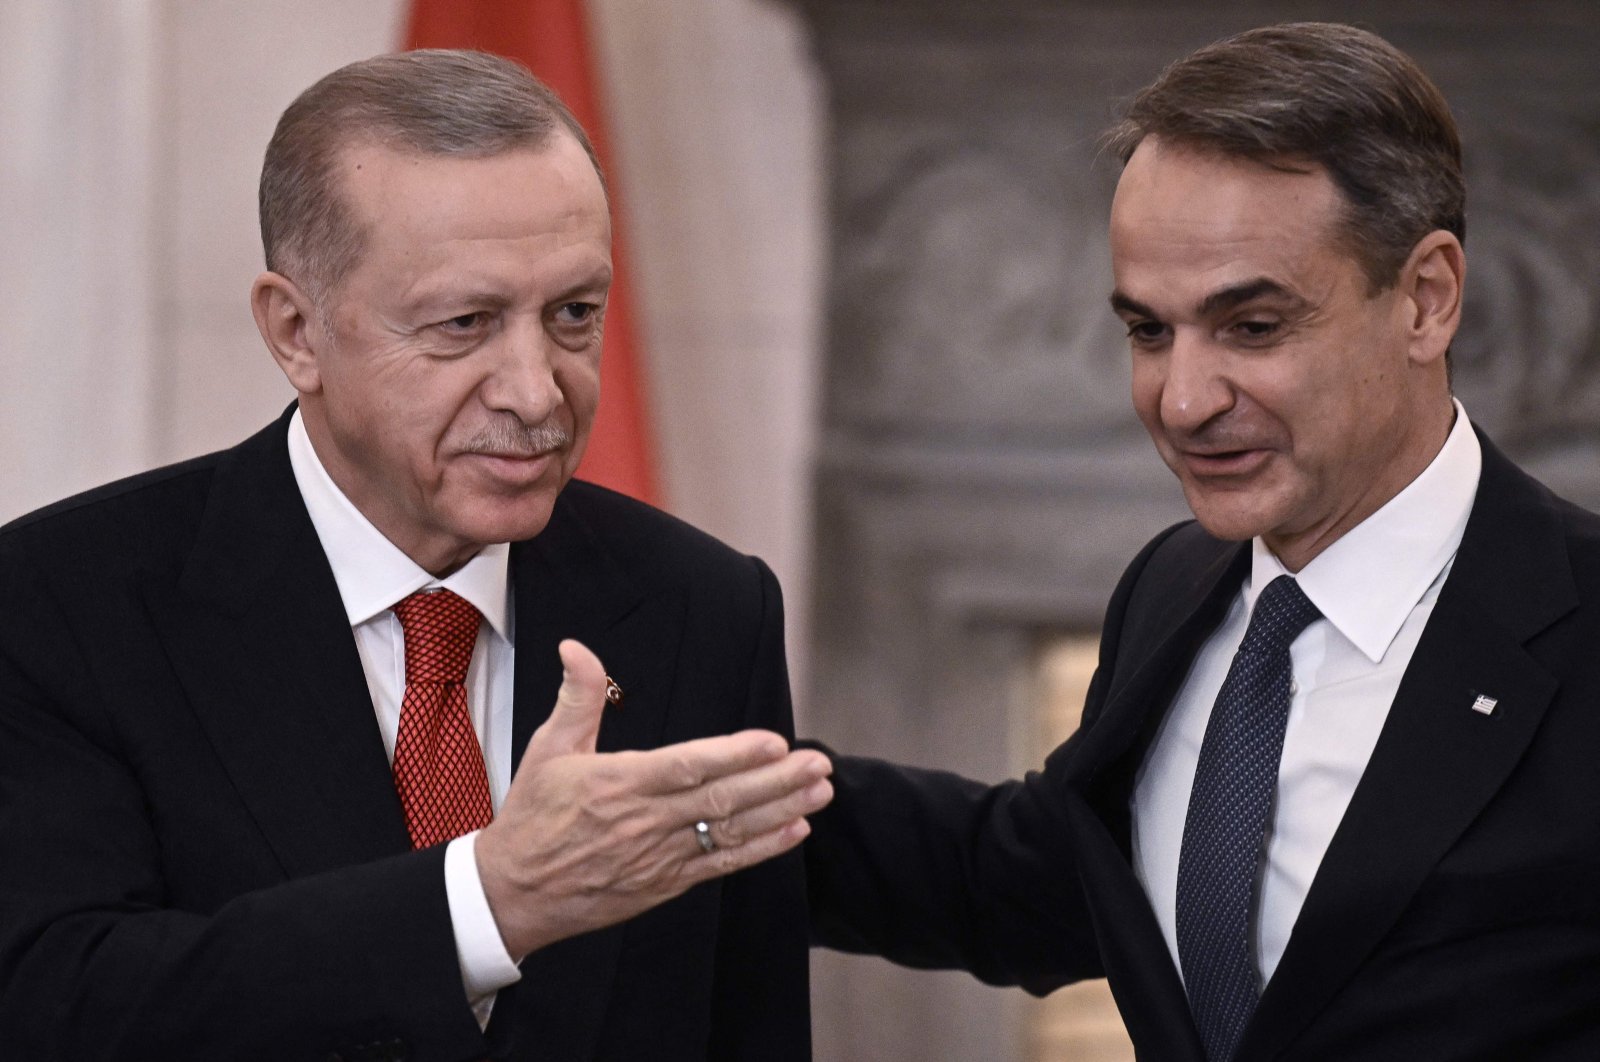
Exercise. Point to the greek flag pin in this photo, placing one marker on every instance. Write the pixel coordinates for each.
(1484, 705)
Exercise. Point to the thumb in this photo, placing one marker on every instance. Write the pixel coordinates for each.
(575, 721)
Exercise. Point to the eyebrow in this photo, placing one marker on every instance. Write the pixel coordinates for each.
(1218, 301)
(1123, 304)
(452, 291)
(597, 283)
(1228, 298)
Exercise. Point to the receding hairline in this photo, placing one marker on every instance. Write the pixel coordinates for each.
(367, 215)
(445, 104)
(1330, 228)
(1327, 97)
(1206, 151)
(403, 149)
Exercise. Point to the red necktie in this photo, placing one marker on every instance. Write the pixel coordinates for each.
(438, 765)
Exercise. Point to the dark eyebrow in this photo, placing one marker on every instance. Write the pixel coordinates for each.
(1217, 302)
(1122, 304)
(1228, 298)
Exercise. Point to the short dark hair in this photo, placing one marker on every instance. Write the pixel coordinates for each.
(432, 102)
(1329, 95)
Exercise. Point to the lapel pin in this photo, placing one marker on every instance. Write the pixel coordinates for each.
(614, 691)
(1484, 705)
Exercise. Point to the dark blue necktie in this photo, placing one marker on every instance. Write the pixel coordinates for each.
(1222, 835)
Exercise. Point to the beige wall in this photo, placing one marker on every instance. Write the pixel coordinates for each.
(76, 350)
(133, 132)
(716, 117)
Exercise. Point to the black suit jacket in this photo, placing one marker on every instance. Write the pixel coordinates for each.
(1456, 914)
(202, 855)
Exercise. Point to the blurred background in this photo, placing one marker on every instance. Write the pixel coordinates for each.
(865, 249)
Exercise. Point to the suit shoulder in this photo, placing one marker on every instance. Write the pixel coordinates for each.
(729, 599)
(1178, 553)
(1519, 524)
(1174, 574)
(647, 541)
(1579, 524)
(1581, 530)
(123, 518)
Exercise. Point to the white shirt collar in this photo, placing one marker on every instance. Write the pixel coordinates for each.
(371, 571)
(1367, 582)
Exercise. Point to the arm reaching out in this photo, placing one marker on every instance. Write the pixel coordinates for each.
(588, 839)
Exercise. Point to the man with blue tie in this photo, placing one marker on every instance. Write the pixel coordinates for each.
(1332, 793)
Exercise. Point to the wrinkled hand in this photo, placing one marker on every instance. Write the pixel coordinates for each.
(587, 839)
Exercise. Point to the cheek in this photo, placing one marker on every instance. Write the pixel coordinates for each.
(578, 378)
(1146, 393)
(437, 411)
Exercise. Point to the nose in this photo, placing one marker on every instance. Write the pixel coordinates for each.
(1195, 390)
(523, 380)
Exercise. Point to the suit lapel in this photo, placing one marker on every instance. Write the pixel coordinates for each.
(1174, 617)
(1437, 762)
(1133, 952)
(567, 585)
(1169, 619)
(257, 636)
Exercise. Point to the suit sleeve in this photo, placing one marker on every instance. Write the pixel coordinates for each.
(932, 870)
(761, 1004)
(99, 963)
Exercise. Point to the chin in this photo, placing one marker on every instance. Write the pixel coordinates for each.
(507, 521)
(1227, 522)
(1229, 531)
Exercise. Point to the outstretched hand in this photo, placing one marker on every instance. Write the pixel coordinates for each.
(587, 839)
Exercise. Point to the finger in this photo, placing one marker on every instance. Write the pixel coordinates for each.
(707, 865)
(574, 723)
(722, 798)
(739, 828)
(689, 765)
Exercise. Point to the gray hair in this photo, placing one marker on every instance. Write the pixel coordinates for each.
(449, 103)
(1326, 95)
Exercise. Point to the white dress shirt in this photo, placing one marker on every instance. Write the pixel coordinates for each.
(373, 575)
(1376, 587)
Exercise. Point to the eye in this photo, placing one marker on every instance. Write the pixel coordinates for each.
(466, 322)
(576, 313)
(1146, 333)
(576, 325)
(1256, 330)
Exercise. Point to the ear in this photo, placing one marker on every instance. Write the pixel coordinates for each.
(1431, 282)
(288, 322)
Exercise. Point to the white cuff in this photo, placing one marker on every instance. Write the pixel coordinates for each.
(486, 966)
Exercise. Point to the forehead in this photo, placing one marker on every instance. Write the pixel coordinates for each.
(443, 196)
(523, 217)
(1186, 222)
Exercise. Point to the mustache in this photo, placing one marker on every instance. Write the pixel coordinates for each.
(1223, 435)
(512, 438)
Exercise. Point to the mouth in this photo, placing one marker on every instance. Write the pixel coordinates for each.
(1218, 464)
(515, 468)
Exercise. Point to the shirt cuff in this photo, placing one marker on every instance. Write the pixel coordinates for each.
(486, 966)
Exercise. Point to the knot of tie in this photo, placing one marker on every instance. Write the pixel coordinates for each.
(1282, 611)
(440, 630)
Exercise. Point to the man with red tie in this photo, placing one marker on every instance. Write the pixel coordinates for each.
(297, 760)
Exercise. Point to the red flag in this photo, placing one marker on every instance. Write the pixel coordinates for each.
(551, 38)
